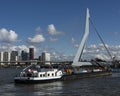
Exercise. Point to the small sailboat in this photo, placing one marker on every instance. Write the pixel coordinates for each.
(77, 70)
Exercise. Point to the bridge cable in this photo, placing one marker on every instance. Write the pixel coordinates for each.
(101, 39)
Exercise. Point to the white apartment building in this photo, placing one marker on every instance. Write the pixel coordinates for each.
(45, 58)
(1, 58)
(7, 57)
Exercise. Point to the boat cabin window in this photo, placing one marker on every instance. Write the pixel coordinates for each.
(52, 74)
(48, 74)
(43, 75)
(40, 75)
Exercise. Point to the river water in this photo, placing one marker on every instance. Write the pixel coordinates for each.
(100, 86)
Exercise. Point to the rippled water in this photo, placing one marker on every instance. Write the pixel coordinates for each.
(102, 86)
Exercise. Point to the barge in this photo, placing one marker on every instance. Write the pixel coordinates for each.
(47, 73)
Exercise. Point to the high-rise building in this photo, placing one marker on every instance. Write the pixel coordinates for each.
(1, 58)
(6, 57)
(24, 56)
(46, 58)
(14, 56)
(40, 58)
(31, 53)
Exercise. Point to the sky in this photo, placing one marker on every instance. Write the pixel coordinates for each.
(57, 26)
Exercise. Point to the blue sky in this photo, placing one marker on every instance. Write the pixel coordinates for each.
(33, 21)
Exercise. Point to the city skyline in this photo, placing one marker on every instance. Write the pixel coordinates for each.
(7, 57)
(57, 27)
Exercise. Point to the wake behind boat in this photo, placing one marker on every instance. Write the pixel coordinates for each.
(77, 70)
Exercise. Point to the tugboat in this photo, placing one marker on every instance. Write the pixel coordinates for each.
(77, 70)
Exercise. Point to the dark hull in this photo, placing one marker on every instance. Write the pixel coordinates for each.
(86, 75)
(68, 77)
(35, 81)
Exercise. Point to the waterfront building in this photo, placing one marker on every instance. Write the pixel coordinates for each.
(40, 58)
(31, 53)
(46, 58)
(6, 57)
(1, 58)
(14, 56)
(24, 55)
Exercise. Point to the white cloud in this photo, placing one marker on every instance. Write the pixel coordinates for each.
(98, 51)
(93, 46)
(6, 48)
(36, 39)
(38, 29)
(74, 43)
(7, 36)
(53, 39)
(52, 30)
(10, 48)
(73, 40)
(22, 47)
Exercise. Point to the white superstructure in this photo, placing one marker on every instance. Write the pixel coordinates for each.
(36, 73)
